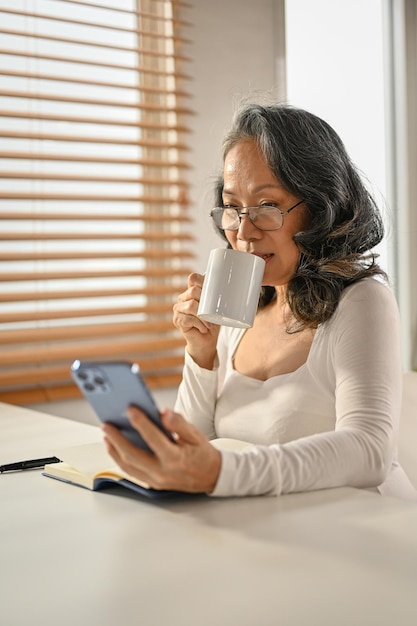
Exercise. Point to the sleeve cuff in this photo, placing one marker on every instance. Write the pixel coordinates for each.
(227, 469)
(250, 472)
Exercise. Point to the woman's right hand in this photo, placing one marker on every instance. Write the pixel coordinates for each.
(201, 337)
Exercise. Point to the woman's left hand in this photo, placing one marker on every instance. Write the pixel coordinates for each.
(190, 464)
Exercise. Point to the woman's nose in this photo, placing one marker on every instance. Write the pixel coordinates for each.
(247, 230)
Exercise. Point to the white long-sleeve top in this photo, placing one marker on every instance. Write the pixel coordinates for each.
(333, 422)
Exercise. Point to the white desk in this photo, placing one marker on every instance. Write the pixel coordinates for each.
(70, 557)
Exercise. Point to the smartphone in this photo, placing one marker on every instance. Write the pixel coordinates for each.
(110, 388)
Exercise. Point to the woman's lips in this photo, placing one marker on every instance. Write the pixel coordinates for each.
(265, 257)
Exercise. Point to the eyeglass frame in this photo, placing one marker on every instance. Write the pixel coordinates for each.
(239, 215)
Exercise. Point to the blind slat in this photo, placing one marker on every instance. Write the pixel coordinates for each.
(88, 350)
(74, 236)
(91, 43)
(149, 272)
(98, 83)
(164, 108)
(50, 374)
(92, 178)
(93, 158)
(139, 13)
(40, 295)
(113, 27)
(56, 393)
(32, 195)
(89, 331)
(113, 217)
(100, 254)
(15, 134)
(150, 309)
(51, 117)
(95, 63)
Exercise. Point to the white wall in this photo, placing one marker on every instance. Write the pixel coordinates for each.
(402, 98)
(335, 69)
(236, 54)
(411, 232)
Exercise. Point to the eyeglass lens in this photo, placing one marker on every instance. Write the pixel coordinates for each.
(263, 217)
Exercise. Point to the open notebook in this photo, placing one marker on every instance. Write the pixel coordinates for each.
(90, 466)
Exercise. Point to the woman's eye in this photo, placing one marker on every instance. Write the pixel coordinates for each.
(272, 205)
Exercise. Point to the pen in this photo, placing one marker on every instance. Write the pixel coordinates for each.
(31, 464)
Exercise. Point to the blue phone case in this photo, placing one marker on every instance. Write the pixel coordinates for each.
(110, 388)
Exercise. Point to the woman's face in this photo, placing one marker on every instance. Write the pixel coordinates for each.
(248, 182)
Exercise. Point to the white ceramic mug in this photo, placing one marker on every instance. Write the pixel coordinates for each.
(231, 288)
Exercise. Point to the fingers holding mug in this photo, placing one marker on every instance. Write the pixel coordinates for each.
(185, 310)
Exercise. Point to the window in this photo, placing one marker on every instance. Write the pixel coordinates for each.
(95, 231)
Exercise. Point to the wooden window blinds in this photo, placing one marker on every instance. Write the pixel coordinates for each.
(94, 225)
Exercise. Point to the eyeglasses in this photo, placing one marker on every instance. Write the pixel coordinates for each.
(264, 217)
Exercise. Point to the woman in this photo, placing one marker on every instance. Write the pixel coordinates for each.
(315, 384)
